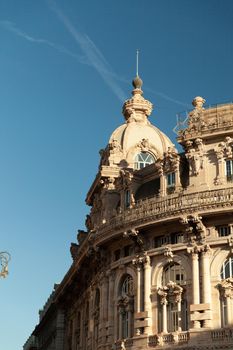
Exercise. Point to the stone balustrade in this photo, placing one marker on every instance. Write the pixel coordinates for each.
(222, 334)
(169, 338)
(174, 205)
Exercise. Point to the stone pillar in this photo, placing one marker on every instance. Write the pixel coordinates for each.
(229, 311)
(139, 287)
(206, 286)
(163, 181)
(103, 309)
(164, 303)
(195, 284)
(221, 176)
(121, 311)
(110, 305)
(177, 178)
(147, 292)
(179, 315)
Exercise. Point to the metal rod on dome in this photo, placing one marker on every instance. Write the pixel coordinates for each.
(137, 54)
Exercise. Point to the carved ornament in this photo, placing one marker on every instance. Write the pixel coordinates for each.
(137, 239)
(226, 288)
(225, 149)
(171, 160)
(195, 156)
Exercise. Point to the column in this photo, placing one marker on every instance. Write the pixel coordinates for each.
(110, 304)
(162, 178)
(121, 311)
(221, 176)
(104, 309)
(139, 287)
(179, 315)
(195, 285)
(206, 286)
(164, 303)
(229, 311)
(177, 177)
(147, 288)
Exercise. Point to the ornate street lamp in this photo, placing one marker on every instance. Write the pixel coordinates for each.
(4, 260)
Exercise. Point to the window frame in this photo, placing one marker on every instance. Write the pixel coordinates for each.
(141, 164)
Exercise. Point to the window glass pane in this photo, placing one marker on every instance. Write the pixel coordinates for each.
(224, 231)
(229, 169)
(143, 159)
(171, 179)
(174, 273)
(227, 268)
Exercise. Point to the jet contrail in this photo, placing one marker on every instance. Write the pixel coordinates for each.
(93, 54)
(11, 27)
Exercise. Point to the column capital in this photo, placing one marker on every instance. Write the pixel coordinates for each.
(162, 292)
(226, 288)
(206, 250)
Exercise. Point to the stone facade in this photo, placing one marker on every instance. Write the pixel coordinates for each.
(154, 268)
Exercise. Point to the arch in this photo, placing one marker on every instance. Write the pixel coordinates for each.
(217, 261)
(157, 269)
(119, 278)
(124, 295)
(169, 279)
(134, 150)
(143, 159)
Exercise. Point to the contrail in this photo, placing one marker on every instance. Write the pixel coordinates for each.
(11, 27)
(93, 54)
(168, 98)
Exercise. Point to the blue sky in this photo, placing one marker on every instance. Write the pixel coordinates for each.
(65, 68)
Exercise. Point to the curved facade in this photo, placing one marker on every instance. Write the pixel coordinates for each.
(155, 267)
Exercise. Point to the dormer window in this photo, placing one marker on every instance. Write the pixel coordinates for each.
(171, 180)
(229, 170)
(142, 160)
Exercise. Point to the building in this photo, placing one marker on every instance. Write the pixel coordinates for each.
(155, 267)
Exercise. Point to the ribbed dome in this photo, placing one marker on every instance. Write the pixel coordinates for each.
(137, 135)
(129, 135)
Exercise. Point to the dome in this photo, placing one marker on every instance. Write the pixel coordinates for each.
(129, 135)
(137, 134)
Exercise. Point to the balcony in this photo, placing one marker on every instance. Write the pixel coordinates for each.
(153, 209)
(168, 339)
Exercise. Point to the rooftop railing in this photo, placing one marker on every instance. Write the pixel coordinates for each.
(183, 117)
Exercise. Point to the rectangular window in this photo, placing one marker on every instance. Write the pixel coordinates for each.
(224, 231)
(171, 180)
(229, 170)
(177, 238)
(162, 240)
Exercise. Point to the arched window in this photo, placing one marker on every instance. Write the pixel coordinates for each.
(225, 289)
(227, 269)
(175, 273)
(142, 160)
(173, 311)
(126, 308)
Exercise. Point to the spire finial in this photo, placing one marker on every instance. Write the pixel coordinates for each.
(137, 56)
(137, 82)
